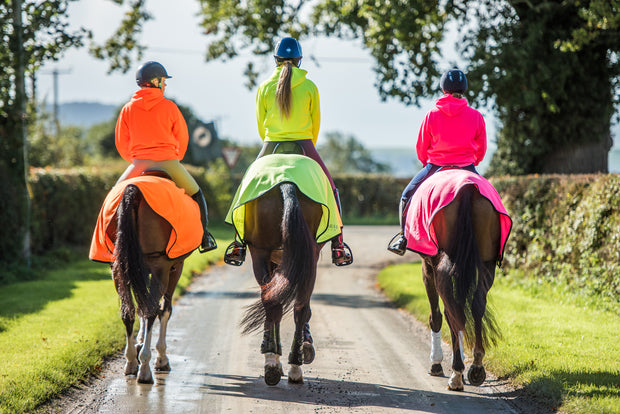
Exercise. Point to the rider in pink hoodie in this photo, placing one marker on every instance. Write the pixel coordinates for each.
(452, 135)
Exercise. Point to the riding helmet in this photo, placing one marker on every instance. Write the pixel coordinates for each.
(453, 81)
(149, 71)
(288, 48)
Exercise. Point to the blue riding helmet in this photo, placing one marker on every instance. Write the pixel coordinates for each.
(149, 71)
(453, 81)
(288, 48)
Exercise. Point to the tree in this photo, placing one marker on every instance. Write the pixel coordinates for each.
(345, 154)
(548, 68)
(35, 32)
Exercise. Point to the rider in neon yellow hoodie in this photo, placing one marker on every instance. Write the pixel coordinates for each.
(288, 109)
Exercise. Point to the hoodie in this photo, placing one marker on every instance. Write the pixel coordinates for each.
(305, 116)
(452, 134)
(151, 127)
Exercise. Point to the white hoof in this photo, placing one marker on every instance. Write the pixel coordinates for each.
(456, 382)
(144, 375)
(295, 374)
(131, 368)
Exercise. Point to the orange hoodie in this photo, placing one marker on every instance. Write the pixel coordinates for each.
(151, 127)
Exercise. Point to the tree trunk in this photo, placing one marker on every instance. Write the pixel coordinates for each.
(586, 158)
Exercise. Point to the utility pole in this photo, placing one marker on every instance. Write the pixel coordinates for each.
(55, 72)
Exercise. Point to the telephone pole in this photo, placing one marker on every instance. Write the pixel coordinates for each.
(55, 72)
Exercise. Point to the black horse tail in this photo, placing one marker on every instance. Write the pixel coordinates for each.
(470, 276)
(129, 265)
(293, 277)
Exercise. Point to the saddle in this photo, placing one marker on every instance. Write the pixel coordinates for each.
(167, 200)
(273, 169)
(435, 193)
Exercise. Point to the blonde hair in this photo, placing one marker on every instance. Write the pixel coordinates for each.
(283, 89)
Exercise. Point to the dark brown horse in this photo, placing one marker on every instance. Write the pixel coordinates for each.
(143, 270)
(468, 237)
(280, 229)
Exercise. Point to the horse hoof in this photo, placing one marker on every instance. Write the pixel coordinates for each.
(131, 368)
(436, 370)
(308, 352)
(456, 382)
(272, 374)
(476, 375)
(295, 375)
(163, 368)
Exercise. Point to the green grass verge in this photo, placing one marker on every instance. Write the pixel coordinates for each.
(56, 330)
(562, 354)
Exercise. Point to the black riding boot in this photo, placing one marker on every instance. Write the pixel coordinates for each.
(208, 242)
(398, 244)
(341, 252)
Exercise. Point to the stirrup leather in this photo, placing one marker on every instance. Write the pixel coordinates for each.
(342, 255)
(235, 253)
(399, 246)
(208, 243)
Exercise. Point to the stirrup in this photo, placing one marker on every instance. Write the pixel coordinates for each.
(208, 243)
(235, 253)
(399, 246)
(341, 255)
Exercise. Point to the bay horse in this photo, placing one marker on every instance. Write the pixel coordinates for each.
(462, 273)
(280, 228)
(457, 223)
(143, 270)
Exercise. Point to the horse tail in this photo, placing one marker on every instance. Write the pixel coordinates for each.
(293, 277)
(129, 264)
(471, 279)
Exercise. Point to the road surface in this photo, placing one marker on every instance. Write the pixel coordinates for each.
(370, 356)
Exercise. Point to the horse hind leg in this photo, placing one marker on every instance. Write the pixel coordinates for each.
(476, 373)
(296, 356)
(435, 319)
(455, 383)
(162, 363)
(144, 371)
(272, 349)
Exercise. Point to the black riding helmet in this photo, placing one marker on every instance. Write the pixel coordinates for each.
(453, 81)
(149, 71)
(288, 48)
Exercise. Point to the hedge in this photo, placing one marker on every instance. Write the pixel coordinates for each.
(566, 231)
(566, 228)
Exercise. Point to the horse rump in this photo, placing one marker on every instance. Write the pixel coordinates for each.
(470, 278)
(292, 277)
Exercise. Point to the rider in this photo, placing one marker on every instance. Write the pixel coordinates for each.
(452, 135)
(152, 134)
(287, 109)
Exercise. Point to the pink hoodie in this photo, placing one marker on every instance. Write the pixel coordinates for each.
(452, 134)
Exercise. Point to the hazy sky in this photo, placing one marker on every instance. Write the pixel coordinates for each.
(215, 91)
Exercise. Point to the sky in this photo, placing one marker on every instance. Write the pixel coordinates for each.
(215, 91)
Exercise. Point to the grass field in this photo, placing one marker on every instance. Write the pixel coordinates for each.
(562, 354)
(56, 330)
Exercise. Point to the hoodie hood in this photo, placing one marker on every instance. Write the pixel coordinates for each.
(450, 105)
(299, 75)
(147, 98)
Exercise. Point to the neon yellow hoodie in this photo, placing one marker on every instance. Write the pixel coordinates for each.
(305, 117)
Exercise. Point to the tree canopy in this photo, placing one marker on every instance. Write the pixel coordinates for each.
(549, 69)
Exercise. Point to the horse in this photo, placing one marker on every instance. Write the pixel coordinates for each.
(461, 231)
(146, 229)
(280, 228)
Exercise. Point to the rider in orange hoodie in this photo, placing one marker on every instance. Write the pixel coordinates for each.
(152, 134)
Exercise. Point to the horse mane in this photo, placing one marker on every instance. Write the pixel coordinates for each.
(129, 264)
(293, 276)
(471, 279)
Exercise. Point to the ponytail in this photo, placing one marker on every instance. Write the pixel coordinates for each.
(283, 90)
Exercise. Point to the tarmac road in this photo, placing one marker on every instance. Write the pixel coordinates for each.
(370, 356)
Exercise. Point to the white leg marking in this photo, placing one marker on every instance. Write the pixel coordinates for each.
(295, 373)
(162, 363)
(144, 372)
(436, 351)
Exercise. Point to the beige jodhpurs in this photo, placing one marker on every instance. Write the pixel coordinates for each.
(173, 168)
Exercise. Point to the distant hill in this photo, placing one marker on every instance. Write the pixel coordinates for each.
(85, 114)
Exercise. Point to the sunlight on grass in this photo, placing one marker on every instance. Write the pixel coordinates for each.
(565, 355)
